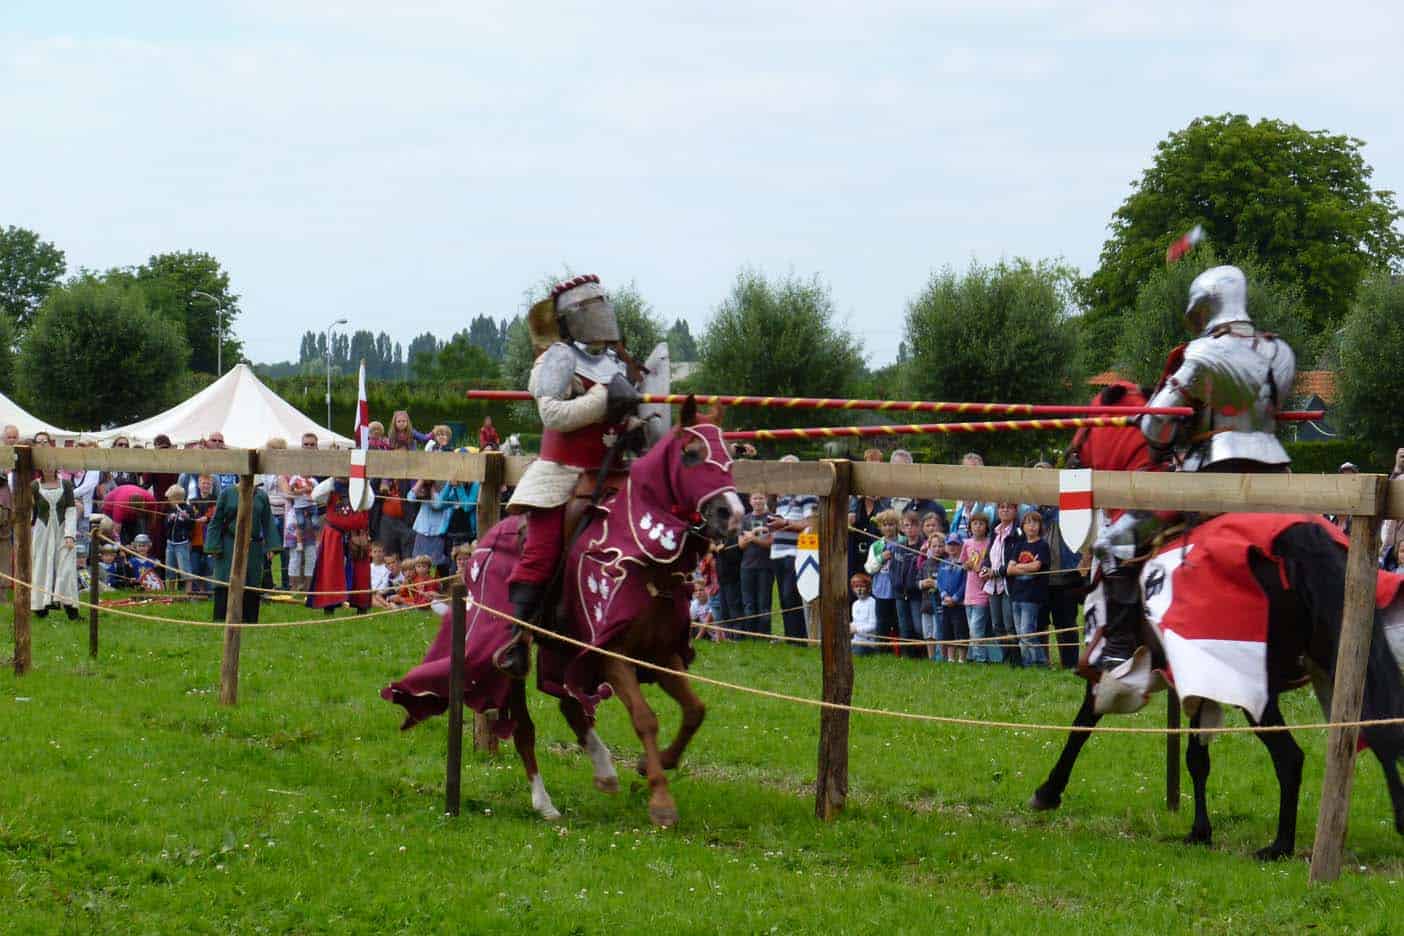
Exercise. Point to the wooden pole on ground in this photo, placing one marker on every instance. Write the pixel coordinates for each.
(489, 513)
(1172, 751)
(454, 779)
(94, 584)
(1357, 623)
(23, 499)
(238, 570)
(836, 649)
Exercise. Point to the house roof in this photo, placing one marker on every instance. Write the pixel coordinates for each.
(1106, 378)
(1321, 383)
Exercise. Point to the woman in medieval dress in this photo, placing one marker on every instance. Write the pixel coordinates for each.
(54, 558)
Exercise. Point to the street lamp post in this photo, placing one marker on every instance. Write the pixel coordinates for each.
(219, 316)
(340, 321)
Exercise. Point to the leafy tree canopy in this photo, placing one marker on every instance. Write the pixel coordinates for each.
(1298, 201)
(1371, 347)
(1000, 333)
(7, 356)
(96, 355)
(681, 345)
(169, 282)
(778, 338)
(29, 269)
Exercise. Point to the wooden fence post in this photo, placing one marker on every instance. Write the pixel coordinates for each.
(831, 781)
(1357, 622)
(94, 585)
(1172, 751)
(238, 570)
(23, 499)
(454, 778)
(489, 513)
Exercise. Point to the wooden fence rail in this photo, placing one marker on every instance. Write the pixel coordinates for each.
(1365, 498)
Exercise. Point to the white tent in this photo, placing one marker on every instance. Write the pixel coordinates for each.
(12, 414)
(239, 406)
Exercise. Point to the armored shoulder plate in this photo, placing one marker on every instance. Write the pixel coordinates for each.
(553, 372)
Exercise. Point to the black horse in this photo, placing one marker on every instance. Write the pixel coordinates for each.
(1301, 572)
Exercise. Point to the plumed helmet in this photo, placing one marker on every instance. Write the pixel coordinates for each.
(1217, 296)
(575, 310)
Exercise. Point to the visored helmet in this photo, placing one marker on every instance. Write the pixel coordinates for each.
(1217, 296)
(584, 312)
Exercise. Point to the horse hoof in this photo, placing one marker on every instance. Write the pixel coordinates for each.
(665, 817)
(550, 813)
(1199, 837)
(607, 784)
(1038, 803)
(1273, 852)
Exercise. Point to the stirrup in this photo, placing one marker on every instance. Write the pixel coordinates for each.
(513, 659)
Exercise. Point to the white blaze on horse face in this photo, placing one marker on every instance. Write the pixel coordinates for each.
(541, 800)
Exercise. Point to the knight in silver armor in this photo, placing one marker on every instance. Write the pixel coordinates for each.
(1235, 377)
(585, 398)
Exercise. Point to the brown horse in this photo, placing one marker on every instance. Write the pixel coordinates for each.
(624, 593)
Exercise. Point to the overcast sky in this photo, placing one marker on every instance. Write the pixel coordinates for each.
(409, 165)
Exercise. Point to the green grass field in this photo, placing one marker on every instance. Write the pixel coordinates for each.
(132, 803)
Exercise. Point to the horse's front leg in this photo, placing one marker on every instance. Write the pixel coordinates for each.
(1197, 763)
(662, 811)
(606, 779)
(1287, 763)
(524, 737)
(693, 712)
(1050, 794)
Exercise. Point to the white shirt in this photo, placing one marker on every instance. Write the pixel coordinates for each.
(380, 576)
(863, 623)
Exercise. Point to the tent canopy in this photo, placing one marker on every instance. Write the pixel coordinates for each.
(12, 414)
(237, 405)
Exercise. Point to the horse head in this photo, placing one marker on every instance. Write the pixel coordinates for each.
(689, 474)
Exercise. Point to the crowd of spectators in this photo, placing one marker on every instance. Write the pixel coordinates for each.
(153, 525)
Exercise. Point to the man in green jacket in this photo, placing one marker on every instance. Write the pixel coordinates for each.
(219, 546)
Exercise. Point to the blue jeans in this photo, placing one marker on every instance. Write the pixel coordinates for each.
(909, 624)
(1002, 625)
(1031, 649)
(978, 618)
(757, 583)
(178, 557)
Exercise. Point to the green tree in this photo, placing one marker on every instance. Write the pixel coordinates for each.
(1299, 201)
(170, 282)
(1000, 333)
(1156, 323)
(777, 338)
(1371, 347)
(458, 359)
(681, 345)
(29, 269)
(96, 355)
(7, 355)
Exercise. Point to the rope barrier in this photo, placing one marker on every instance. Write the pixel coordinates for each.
(255, 588)
(244, 625)
(921, 716)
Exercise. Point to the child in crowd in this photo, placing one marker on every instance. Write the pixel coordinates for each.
(974, 554)
(931, 524)
(700, 610)
(395, 571)
(144, 567)
(441, 436)
(950, 591)
(905, 569)
(379, 571)
(111, 573)
(879, 566)
(424, 589)
(180, 527)
(862, 621)
(1026, 555)
(202, 505)
(300, 534)
(932, 560)
(995, 583)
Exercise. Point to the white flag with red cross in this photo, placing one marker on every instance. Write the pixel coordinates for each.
(361, 433)
(1075, 506)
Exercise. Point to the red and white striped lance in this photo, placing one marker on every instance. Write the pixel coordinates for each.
(1008, 425)
(900, 406)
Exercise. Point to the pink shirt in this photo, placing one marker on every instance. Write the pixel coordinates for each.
(974, 585)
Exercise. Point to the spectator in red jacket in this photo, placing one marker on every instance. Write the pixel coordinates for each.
(488, 439)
